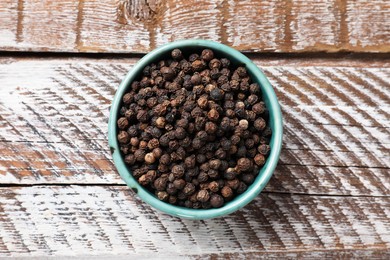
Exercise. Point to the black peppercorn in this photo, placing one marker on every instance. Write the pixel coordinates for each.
(197, 143)
(215, 64)
(216, 200)
(178, 171)
(179, 184)
(162, 195)
(244, 164)
(225, 63)
(189, 189)
(123, 137)
(216, 94)
(193, 57)
(203, 196)
(161, 183)
(241, 188)
(259, 159)
(263, 149)
(215, 164)
(234, 184)
(168, 73)
(230, 174)
(213, 115)
(258, 108)
(176, 54)
(130, 159)
(143, 116)
(248, 178)
(180, 133)
(198, 65)
(123, 123)
(207, 55)
(202, 177)
(227, 192)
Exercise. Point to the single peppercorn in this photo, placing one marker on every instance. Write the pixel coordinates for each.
(123, 123)
(202, 177)
(241, 188)
(203, 196)
(130, 159)
(227, 192)
(165, 159)
(149, 158)
(193, 57)
(244, 164)
(178, 171)
(147, 178)
(123, 137)
(215, 74)
(189, 189)
(160, 183)
(168, 73)
(215, 164)
(263, 149)
(259, 159)
(207, 55)
(143, 116)
(190, 161)
(216, 94)
(179, 184)
(248, 178)
(198, 65)
(172, 199)
(196, 79)
(180, 133)
(230, 174)
(215, 64)
(177, 54)
(171, 190)
(233, 183)
(216, 201)
(258, 108)
(162, 195)
(260, 124)
(213, 115)
(128, 98)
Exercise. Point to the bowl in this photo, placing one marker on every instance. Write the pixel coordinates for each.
(275, 122)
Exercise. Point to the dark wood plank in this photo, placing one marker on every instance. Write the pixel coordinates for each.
(75, 220)
(54, 122)
(139, 26)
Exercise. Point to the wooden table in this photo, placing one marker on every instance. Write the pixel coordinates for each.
(61, 62)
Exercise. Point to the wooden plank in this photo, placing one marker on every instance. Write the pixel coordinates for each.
(38, 221)
(53, 126)
(139, 26)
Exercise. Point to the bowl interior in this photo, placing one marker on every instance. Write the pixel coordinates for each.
(268, 96)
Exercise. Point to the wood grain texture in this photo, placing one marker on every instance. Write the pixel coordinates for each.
(75, 220)
(337, 124)
(139, 26)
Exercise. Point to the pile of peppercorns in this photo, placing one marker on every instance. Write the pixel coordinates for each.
(193, 131)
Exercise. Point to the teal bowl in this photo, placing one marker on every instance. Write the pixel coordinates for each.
(275, 122)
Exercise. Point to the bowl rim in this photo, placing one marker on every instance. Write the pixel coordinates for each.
(265, 173)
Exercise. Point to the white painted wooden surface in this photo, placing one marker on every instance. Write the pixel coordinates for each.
(60, 195)
(336, 124)
(139, 26)
(329, 196)
(97, 220)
